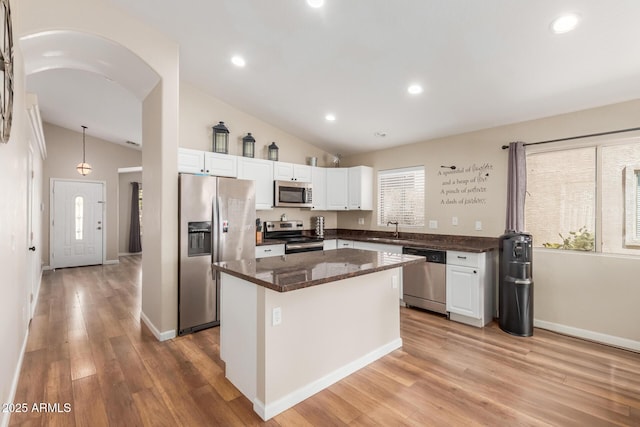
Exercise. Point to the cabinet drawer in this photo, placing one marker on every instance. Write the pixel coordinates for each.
(467, 259)
(269, 250)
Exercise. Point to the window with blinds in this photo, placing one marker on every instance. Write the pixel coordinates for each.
(401, 196)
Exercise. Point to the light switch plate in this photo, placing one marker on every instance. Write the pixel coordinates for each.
(360, 221)
(394, 282)
(276, 316)
(454, 220)
(478, 225)
(433, 223)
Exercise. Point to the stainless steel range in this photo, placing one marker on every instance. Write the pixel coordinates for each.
(292, 232)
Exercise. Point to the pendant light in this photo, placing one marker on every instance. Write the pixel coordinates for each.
(83, 168)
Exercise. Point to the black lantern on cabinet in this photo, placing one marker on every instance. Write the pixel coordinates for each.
(272, 154)
(220, 139)
(248, 145)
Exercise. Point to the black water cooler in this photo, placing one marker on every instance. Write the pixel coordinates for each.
(516, 284)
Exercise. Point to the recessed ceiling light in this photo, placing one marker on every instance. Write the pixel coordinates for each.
(238, 61)
(565, 23)
(315, 3)
(330, 117)
(380, 134)
(414, 89)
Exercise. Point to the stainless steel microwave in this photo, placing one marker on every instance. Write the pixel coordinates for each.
(292, 194)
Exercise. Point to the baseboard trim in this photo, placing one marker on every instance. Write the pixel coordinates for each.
(160, 336)
(111, 261)
(589, 335)
(271, 410)
(6, 416)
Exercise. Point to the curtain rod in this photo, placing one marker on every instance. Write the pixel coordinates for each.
(611, 132)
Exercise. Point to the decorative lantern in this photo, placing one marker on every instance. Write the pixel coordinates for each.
(220, 139)
(273, 152)
(248, 145)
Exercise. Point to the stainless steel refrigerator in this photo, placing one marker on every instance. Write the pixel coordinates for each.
(217, 223)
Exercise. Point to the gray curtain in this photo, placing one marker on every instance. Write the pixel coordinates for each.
(516, 187)
(135, 244)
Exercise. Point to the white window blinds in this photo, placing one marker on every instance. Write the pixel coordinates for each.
(401, 196)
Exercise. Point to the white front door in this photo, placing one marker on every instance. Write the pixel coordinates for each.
(77, 223)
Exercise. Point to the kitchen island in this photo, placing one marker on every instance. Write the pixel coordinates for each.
(292, 325)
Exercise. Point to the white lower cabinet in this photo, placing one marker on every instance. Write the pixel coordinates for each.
(470, 287)
(330, 244)
(269, 250)
(345, 244)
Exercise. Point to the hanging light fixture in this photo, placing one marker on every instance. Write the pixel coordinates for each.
(83, 168)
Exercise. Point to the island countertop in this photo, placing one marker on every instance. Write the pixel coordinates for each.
(296, 271)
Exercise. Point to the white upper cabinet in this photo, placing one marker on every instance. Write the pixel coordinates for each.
(360, 188)
(283, 171)
(319, 189)
(190, 161)
(337, 194)
(220, 164)
(260, 171)
(196, 161)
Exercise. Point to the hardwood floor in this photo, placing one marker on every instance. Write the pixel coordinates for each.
(88, 348)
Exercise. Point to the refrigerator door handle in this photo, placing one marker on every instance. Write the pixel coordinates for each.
(217, 228)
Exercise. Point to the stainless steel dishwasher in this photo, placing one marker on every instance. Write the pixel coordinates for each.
(424, 284)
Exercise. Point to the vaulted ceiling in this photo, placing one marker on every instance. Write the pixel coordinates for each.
(480, 64)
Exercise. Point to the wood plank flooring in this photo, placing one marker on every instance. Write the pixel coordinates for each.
(88, 348)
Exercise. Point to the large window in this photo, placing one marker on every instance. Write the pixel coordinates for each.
(401, 196)
(585, 198)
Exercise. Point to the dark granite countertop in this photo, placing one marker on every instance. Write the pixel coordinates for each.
(418, 240)
(268, 242)
(296, 271)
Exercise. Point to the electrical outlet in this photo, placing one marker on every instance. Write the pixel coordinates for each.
(433, 223)
(478, 225)
(454, 220)
(360, 221)
(276, 317)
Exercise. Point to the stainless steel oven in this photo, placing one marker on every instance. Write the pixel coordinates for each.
(292, 233)
(292, 194)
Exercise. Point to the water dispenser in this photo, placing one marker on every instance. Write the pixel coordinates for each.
(516, 284)
(199, 238)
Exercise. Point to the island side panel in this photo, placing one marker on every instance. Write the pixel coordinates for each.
(239, 314)
(327, 332)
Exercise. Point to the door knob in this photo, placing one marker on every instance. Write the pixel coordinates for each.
(32, 248)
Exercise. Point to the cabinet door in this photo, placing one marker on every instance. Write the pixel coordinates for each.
(319, 190)
(283, 171)
(260, 171)
(337, 185)
(463, 291)
(360, 188)
(330, 244)
(302, 173)
(220, 164)
(190, 161)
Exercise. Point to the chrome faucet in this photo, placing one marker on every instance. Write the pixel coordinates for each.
(395, 233)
